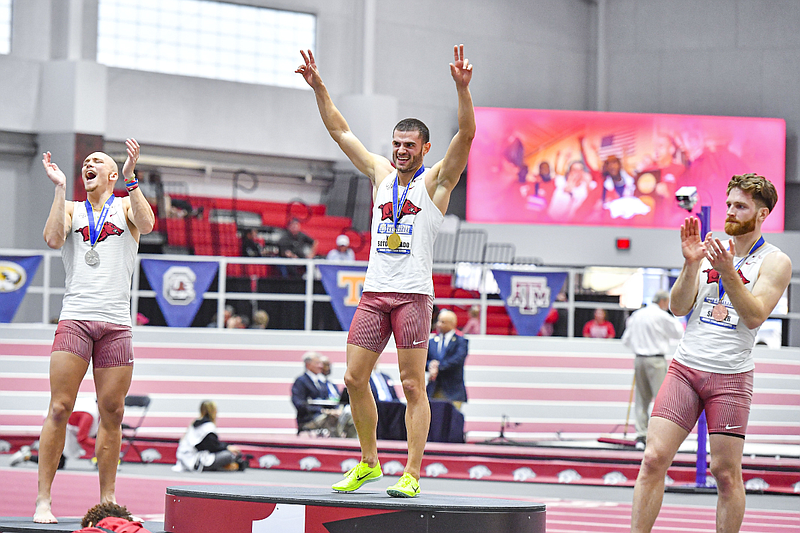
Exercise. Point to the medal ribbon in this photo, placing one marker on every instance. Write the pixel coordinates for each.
(395, 206)
(758, 244)
(94, 229)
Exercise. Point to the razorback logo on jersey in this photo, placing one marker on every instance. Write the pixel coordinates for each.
(713, 276)
(106, 231)
(408, 209)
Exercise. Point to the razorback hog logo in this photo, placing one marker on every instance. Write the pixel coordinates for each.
(713, 276)
(408, 209)
(106, 231)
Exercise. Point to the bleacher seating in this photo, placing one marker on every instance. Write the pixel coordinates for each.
(497, 320)
(204, 237)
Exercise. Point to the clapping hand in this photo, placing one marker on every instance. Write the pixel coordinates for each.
(53, 172)
(133, 157)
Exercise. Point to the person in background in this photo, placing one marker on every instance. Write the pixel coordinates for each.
(80, 435)
(382, 386)
(105, 517)
(307, 388)
(333, 390)
(200, 448)
(599, 327)
(252, 245)
(294, 243)
(260, 320)
(342, 252)
(447, 351)
(473, 324)
(648, 332)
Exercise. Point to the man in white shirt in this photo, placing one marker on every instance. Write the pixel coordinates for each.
(648, 332)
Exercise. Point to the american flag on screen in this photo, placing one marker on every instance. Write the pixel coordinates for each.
(618, 144)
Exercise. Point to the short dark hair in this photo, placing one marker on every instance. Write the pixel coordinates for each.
(414, 124)
(758, 187)
(104, 510)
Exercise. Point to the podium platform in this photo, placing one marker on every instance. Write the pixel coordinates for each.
(248, 509)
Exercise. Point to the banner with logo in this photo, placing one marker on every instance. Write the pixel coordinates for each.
(16, 274)
(179, 287)
(528, 296)
(344, 285)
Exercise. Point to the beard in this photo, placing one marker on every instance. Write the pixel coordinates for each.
(734, 228)
(413, 162)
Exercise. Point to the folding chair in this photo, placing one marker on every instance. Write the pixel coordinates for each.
(129, 431)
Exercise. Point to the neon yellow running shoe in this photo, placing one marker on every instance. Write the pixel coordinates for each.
(406, 487)
(357, 476)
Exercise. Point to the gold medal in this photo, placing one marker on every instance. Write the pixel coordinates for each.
(393, 241)
(719, 312)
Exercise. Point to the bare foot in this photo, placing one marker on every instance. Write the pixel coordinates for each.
(43, 514)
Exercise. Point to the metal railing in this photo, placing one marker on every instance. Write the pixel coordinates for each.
(44, 286)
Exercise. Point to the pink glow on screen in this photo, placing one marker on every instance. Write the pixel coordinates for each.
(656, 155)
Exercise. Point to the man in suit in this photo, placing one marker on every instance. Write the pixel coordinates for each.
(333, 390)
(447, 351)
(309, 386)
(382, 386)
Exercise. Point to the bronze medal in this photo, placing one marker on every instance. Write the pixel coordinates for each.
(393, 241)
(719, 312)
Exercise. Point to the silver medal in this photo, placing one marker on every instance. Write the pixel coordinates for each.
(92, 257)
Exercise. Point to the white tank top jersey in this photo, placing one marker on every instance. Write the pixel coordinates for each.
(101, 292)
(725, 345)
(409, 267)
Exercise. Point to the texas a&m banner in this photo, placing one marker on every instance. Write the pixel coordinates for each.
(179, 287)
(528, 296)
(344, 285)
(16, 273)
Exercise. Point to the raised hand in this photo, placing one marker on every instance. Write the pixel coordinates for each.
(720, 258)
(133, 157)
(460, 68)
(692, 246)
(53, 172)
(309, 69)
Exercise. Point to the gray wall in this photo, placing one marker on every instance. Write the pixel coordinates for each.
(665, 56)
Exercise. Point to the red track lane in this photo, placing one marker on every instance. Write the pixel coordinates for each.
(145, 498)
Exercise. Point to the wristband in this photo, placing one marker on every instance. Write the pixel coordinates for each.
(133, 184)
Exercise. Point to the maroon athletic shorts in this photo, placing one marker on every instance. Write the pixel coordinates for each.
(725, 397)
(108, 344)
(379, 314)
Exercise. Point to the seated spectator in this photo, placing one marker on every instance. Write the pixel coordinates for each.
(599, 327)
(237, 322)
(382, 386)
(260, 320)
(473, 324)
(200, 448)
(109, 516)
(342, 252)
(252, 245)
(81, 432)
(294, 243)
(333, 390)
(228, 313)
(309, 392)
(447, 352)
(179, 208)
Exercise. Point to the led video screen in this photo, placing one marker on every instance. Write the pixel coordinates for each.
(615, 169)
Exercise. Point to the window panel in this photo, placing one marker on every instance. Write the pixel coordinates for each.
(203, 38)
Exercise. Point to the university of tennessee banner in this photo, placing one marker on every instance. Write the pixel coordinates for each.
(179, 287)
(528, 296)
(344, 285)
(16, 274)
